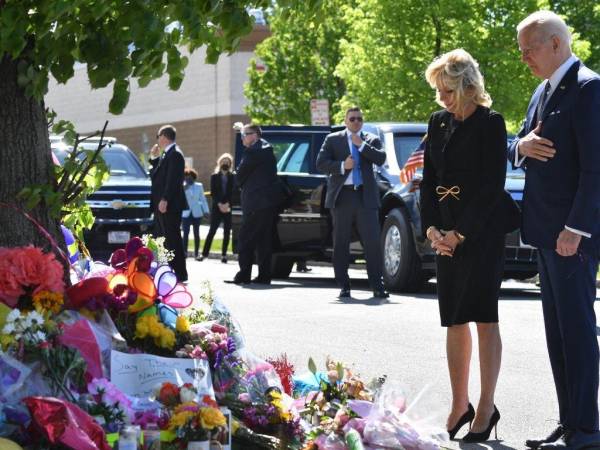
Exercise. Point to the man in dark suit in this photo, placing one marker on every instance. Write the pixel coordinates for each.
(559, 147)
(168, 196)
(261, 196)
(347, 157)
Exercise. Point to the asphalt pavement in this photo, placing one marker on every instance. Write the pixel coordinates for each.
(401, 338)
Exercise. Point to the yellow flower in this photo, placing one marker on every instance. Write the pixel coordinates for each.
(166, 339)
(47, 301)
(182, 325)
(6, 341)
(211, 418)
(180, 419)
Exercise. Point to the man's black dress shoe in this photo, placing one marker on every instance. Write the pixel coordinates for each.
(381, 293)
(552, 437)
(344, 293)
(260, 280)
(239, 279)
(574, 440)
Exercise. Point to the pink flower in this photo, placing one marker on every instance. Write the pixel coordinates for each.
(217, 328)
(28, 267)
(244, 397)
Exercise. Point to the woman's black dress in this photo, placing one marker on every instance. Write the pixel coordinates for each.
(463, 190)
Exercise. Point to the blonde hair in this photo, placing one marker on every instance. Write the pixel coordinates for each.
(546, 24)
(458, 71)
(220, 160)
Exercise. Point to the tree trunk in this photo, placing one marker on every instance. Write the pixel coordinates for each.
(24, 160)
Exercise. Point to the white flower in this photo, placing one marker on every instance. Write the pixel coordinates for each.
(187, 395)
(9, 328)
(14, 315)
(38, 337)
(33, 318)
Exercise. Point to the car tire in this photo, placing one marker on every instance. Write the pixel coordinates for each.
(401, 263)
(281, 266)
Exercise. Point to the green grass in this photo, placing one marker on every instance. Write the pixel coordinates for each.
(215, 246)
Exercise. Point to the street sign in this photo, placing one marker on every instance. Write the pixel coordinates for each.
(319, 111)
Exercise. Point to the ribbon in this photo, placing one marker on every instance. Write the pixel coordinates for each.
(445, 192)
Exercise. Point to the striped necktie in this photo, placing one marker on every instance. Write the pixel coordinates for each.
(543, 99)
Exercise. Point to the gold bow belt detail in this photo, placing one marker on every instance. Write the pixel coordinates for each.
(444, 192)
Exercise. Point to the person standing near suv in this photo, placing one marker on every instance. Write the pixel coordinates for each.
(347, 157)
(261, 197)
(167, 197)
(221, 189)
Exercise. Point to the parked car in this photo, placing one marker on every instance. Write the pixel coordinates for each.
(304, 229)
(122, 205)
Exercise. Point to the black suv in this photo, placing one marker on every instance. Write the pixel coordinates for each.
(122, 205)
(304, 230)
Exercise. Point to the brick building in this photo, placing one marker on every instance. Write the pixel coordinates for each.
(203, 110)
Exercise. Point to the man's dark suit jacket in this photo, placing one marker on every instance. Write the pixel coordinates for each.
(166, 173)
(257, 177)
(565, 190)
(334, 151)
(216, 189)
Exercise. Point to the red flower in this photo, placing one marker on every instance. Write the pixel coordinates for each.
(169, 394)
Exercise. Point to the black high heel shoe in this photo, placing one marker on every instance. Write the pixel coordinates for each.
(484, 435)
(466, 417)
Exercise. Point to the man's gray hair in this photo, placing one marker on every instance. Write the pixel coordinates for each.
(546, 24)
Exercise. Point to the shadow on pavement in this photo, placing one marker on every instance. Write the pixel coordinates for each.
(491, 444)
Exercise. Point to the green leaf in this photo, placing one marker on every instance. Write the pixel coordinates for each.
(120, 97)
(312, 366)
(340, 370)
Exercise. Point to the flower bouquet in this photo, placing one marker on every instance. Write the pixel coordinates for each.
(107, 404)
(187, 419)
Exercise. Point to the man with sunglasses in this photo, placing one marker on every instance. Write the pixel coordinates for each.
(261, 196)
(168, 196)
(347, 157)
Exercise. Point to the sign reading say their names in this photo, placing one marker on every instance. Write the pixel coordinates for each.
(139, 374)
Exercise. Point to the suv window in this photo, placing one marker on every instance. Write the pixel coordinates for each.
(292, 155)
(405, 145)
(121, 163)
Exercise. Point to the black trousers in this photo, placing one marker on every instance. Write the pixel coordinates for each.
(568, 286)
(350, 209)
(256, 236)
(169, 226)
(186, 224)
(216, 217)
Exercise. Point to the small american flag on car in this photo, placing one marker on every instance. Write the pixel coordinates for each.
(414, 162)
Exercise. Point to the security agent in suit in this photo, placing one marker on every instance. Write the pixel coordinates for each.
(261, 196)
(347, 157)
(559, 148)
(167, 195)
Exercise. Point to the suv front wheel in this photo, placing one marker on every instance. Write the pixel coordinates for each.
(401, 264)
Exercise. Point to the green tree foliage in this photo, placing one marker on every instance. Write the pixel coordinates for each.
(384, 66)
(300, 58)
(386, 46)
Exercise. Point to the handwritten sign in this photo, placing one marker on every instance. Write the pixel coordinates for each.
(140, 374)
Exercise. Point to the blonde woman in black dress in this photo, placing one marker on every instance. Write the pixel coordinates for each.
(465, 214)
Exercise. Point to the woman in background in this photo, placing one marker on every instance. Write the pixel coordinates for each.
(198, 207)
(221, 188)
